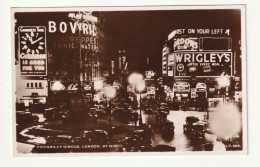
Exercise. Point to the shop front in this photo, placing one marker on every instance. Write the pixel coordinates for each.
(32, 92)
(181, 90)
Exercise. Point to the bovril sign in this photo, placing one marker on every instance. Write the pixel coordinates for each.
(79, 31)
(81, 21)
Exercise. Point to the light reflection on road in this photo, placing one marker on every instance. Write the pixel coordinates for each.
(33, 139)
(179, 140)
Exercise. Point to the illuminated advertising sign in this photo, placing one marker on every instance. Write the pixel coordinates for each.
(80, 32)
(149, 74)
(201, 87)
(32, 50)
(165, 53)
(193, 93)
(203, 63)
(181, 87)
(82, 21)
(72, 42)
(123, 63)
(200, 31)
(185, 44)
(170, 64)
(165, 50)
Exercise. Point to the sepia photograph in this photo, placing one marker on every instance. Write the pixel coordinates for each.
(158, 79)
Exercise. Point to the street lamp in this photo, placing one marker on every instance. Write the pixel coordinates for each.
(110, 92)
(138, 82)
(82, 18)
(135, 78)
(140, 87)
(224, 82)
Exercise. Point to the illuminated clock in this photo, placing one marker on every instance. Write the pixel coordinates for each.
(32, 42)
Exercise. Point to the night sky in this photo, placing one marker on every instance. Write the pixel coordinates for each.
(143, 33)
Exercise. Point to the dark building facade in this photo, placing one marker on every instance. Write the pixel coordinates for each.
(74, 49)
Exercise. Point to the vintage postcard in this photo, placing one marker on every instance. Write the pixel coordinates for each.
(105, 80)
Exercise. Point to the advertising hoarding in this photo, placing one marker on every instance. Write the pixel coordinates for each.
(32, 50)
(181, 87)
(186, 44)
(170, 64)
(203, 63)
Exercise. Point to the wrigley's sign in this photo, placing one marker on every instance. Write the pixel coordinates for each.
(203, 63)
(203, 57)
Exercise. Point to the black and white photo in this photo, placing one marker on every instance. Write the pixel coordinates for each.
(168, 79)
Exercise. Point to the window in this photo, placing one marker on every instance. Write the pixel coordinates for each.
(31, 85)
(36, 84)
(40, 85)
(28, 85)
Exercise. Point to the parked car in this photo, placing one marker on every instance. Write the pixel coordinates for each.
(95, 137)
(52, 114)
(59, 139)
(126, 115)
(194, 128)
(148, 110)
(163, 107)
(118, 129)
(134, 143)
(145, 134)
(23, 117)
(37, 108)
(162, 147)
(198, 130)
(168, 127)
(160, 119)
(20, 107)
(101, 114)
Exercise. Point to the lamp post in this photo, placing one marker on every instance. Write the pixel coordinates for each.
(80, 21)
(110, 92)
(138, 82)
(224, 82)
(140, 87)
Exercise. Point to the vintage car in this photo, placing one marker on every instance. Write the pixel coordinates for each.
(23, 117)
(138, 141)
(95, 137)
(101, 114)
(148, 110)
(59, 139)
(194, 128)
(126, 115)
(37, 108)
(168, 127)
(163, 107)
(162, 147)
(52, 113)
